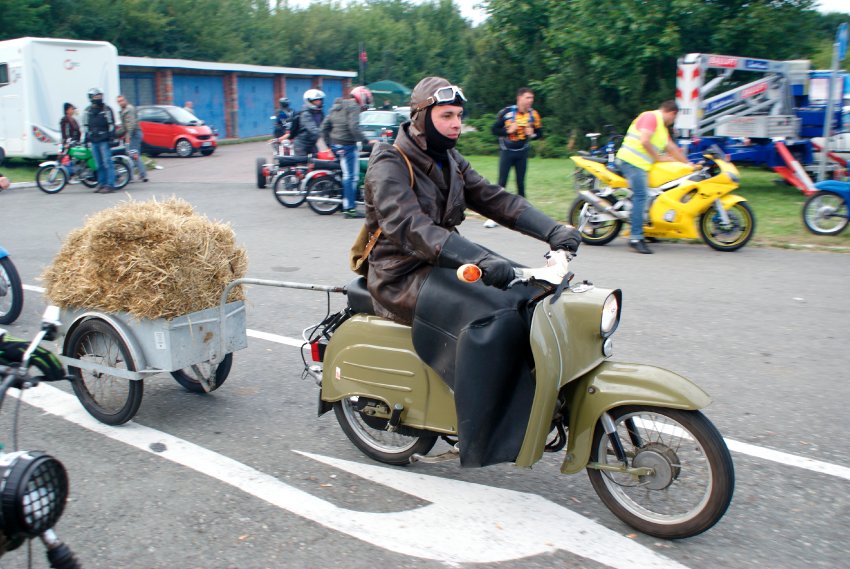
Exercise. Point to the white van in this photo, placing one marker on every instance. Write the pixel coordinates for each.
(37, 76)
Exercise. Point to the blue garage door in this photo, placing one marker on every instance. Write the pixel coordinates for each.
(256, 105)
(138, 88)
(206, 93)
(332, 89)
(295, 88)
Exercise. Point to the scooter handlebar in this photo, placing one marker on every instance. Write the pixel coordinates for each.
(556, 268)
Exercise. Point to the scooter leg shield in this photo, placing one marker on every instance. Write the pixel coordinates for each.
(614, 384)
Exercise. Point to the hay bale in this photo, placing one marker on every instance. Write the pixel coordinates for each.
(151, 259)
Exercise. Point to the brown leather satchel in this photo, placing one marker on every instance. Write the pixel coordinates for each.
(358, 256)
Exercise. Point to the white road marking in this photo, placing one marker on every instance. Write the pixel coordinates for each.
(496, 524)
(735, 446)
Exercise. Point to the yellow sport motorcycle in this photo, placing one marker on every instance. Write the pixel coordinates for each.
(653, 458)
(682, 203)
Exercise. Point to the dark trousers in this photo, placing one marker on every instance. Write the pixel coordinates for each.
(518, 159)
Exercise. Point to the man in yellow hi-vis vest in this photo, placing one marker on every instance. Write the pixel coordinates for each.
(647, 141)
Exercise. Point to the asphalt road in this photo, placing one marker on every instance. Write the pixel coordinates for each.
(248, 477)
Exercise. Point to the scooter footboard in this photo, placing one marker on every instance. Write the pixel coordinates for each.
(614, 384)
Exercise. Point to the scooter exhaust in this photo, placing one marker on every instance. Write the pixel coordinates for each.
(602, 206)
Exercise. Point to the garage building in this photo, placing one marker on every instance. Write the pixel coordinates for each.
(237, 99)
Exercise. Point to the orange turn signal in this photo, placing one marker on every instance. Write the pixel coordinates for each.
(469, 273)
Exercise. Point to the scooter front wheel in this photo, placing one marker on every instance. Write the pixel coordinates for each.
(369, 434)
(692, 477)
(595, 230)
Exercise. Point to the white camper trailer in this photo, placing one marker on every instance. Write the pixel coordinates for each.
(37, 76)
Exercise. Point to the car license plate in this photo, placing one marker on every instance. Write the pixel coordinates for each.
(369, 133)
(207, 143)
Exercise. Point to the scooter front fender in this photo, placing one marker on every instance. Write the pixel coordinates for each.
(614, 384)
(48, 163)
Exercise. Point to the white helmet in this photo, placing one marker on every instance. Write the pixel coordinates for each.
(311, 95)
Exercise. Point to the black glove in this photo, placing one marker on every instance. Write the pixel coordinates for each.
(537, 224)
(565, 237)
(495, 270)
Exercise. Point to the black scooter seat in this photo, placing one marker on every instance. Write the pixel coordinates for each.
(327, 165)
(359, 299)
(291, 160)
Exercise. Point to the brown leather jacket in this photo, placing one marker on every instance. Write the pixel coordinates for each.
(416, 222)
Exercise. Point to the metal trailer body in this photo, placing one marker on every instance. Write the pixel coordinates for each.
(39, 75)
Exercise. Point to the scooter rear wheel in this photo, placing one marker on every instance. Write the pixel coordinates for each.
(692, 478)
(600, 232)
(369, 434)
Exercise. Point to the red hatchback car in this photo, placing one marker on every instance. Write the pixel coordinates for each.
(166, 128)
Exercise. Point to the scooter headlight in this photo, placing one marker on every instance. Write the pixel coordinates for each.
(33, 491)
(611, 313)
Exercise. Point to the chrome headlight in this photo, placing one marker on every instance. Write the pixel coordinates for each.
(33, 492)
(611, 313)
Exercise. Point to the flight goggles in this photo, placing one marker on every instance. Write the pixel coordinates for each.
(441, 96)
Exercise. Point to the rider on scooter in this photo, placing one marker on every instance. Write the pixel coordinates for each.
(474, 336)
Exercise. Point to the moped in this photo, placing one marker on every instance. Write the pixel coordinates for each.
(11, 289)
(33, 484)
(75, 162)
(652, 457)
(682, 203)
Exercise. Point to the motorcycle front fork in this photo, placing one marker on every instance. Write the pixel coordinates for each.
(614, 437)
(724, 215)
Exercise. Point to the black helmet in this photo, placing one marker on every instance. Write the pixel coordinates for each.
(95, 93)
(284, 102)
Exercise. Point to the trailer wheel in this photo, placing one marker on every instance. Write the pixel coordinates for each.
(204, 377)
(109, 399)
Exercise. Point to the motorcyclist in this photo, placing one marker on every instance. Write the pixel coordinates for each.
(99, 124)
(474, 336)
(281, 123)
(304, 130)
(341, 129)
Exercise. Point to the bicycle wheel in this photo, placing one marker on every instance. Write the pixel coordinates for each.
(109, 399)
(288, 190)
(324, 195)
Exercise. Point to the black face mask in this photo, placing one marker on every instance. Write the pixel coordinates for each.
(438, 145)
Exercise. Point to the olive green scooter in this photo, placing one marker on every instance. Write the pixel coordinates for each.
(653, 458)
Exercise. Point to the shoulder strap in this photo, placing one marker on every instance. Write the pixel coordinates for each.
(374, 238)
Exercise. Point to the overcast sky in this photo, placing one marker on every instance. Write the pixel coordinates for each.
(476, 15)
